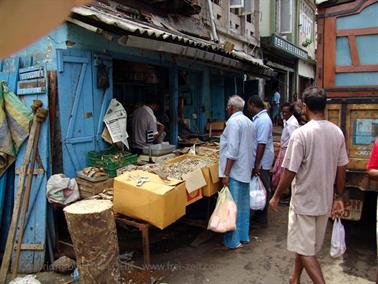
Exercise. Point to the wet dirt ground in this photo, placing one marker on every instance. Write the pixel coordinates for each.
(187, 254)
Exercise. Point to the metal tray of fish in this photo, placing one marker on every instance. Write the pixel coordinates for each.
(159, 149)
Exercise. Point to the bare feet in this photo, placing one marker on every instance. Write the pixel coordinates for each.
(292, 281)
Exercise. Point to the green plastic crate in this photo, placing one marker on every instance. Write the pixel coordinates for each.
(103, 159)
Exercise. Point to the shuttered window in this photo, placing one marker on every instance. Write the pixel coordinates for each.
(248, 7)
(236, 3)
(285, 16)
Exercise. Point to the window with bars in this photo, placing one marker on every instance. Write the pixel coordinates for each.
(306, 20)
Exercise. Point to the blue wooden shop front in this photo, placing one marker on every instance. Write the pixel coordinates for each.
(74, 54)
(82, 104)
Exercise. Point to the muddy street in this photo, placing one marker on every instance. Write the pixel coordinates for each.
(266, 260)
(187, 254)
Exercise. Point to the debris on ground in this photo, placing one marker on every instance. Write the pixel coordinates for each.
(64, 265)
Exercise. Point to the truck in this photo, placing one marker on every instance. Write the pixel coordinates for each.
(347, 68)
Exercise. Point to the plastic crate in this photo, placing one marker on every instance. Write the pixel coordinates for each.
(103, 159)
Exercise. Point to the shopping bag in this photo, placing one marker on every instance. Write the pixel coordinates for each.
(338, 245)
(223, 218)
(257, 194)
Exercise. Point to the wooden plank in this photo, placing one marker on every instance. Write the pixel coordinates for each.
(17, 206)
(320, 55)
(349, 8)
(32, 247)
(353, 51)
(26, 201)
(350, 93)
(35, 172)
(329, 52)
(35, 229)
(354, 32)
(52, 94)
(357, 69)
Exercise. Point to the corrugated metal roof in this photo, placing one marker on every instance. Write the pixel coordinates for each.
(159, 33)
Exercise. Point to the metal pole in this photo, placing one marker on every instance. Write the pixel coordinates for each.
(213, 27)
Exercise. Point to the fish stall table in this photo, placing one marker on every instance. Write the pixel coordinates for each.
(143, 227)
(160, 202)
(174, 200)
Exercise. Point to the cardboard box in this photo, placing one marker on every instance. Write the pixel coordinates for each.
(193, 180)
(194, 196)
(157, 202)
(213, 182)
(210, 183)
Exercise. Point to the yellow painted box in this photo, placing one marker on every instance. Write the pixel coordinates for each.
(157, 202)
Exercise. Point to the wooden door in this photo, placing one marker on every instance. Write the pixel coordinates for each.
(76, 108)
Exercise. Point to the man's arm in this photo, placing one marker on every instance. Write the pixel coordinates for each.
(285, 181)
(259, 154)
(340, 180)
(227, 171)
(338, 204)
(160, 129)
(373, 173)
(232, 151)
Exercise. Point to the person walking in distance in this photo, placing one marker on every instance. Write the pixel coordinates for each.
(315, 160)
(290, 124)
(264, 151)
(237, 144)
(276, 100)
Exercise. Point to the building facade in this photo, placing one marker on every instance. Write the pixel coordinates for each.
(288, 36)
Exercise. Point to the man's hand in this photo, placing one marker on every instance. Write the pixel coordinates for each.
(273, 203)
(337, 208)
(256, 171)
(226, 181)
(160, 127)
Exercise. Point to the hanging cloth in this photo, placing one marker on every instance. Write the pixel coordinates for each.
(15, 118)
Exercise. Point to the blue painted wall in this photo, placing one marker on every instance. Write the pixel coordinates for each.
(44, 51)
(367, 46)
(366, 19)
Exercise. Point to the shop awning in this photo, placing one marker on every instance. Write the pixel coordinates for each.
(148, 36)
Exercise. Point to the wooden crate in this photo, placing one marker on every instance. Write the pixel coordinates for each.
(88, 188)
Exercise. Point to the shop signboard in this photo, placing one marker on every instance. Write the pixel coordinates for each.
(287, 46)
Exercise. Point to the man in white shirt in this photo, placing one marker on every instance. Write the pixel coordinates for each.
(143, 120)
(236, 159)
(314, 165)
(290, 124)
(276, 107)
(264, 151)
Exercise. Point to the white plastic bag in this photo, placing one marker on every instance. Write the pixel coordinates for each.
(61, 189)
(28, 279)
(257, 194)
(338, 245)
(223, 218)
